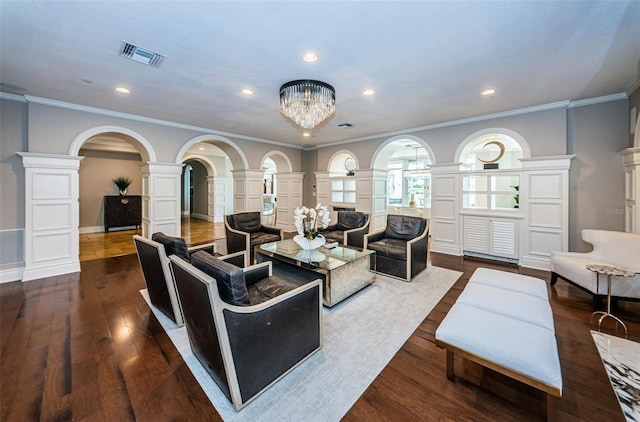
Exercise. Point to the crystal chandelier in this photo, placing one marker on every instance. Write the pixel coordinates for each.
(307, 102)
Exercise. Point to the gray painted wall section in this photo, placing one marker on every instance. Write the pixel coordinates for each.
(596, 134)
(634, 102)
(309, 164)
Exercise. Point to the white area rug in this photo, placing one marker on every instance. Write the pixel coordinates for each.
(361, 335)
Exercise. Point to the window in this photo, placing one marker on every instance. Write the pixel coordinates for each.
(409, 184)
(491, 191)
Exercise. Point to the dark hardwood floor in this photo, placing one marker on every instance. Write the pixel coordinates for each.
(86, 347)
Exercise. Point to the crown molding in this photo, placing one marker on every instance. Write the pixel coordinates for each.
(12, 97)
(598, 100)
(508, 113)
(633, 88)
(110, 113)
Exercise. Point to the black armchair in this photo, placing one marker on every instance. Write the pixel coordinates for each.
(349, 229)
(401, 248)
(152, 255)
(245, 230)
(248, 341)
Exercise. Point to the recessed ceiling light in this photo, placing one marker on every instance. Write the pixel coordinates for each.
(122, 90)
(488, 92)
(201, 148)
(368, 92)
(310, 57)
(306, 134)
(247, 91)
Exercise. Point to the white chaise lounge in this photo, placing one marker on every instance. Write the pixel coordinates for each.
(503, 321)
(611, 248)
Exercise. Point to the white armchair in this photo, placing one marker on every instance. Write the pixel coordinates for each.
(612, 248)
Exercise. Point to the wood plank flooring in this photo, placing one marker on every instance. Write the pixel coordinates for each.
(86, 347)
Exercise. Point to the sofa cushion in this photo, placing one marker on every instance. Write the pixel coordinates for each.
(348, 220)
(229, 278)
(259, 238)
(247, 222)
(172, 245)
(404, 227)
(392, 248)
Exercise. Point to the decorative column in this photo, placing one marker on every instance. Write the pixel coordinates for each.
(289, 197)
(247, 190)
(631, 158)
(445, 206)
(371, 196)
(51, 237)
(544, 199)
(161, 198)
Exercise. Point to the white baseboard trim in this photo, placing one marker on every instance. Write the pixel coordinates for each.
(11, 274)
(218, 219)
(535, 263)
(445, 249)
(91, 229)
(50, 271)
(202, 217)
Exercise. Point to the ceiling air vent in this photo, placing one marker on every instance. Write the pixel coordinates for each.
(141, 55)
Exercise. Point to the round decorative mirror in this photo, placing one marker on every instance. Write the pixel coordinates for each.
(350, 166)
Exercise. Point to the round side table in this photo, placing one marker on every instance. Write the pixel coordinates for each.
(609, 271)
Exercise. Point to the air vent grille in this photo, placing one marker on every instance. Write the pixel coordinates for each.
(141, 55)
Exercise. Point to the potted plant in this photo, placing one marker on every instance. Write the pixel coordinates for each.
(516, 198)
(123, 184)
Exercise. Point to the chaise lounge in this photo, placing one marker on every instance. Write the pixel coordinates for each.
(611, 248)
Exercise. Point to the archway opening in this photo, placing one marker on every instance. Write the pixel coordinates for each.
(273, 163)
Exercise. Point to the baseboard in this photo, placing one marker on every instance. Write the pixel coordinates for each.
(91, 229)
(201, 217)
(11, 274)
(53, 270)
(445, 249)
(535, 263)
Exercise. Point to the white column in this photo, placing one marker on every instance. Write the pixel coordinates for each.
(445, 205)
(51, 237)
(544, 199)
(289, 197)
(371, 196)
(161, 198)
(247, 190)
(219, 200)
(631, 189)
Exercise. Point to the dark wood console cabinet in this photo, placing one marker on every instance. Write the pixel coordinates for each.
(121, 211)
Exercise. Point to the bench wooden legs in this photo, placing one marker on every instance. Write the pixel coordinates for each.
(449, 364)
(552, 408)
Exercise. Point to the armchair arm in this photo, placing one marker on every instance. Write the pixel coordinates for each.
(355, 237)
(330, 228)
(257, 272)
(237, 241)
(272, 230)
(236, 258)
(373, 237)
(207, 247)
(417, 254)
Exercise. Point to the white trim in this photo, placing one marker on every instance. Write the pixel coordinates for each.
(208, 164)
(598, 100)
(50, 271)
(633, 88)
(342, 151)
(201, 216)
(11, 274)
(91, 229)
(203, 138)
(283, 155)
(421, 141)
(94, 110)
(84, 136)
(12, 97)
(526, 150)
(501, 114)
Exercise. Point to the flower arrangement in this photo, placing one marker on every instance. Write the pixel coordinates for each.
(309, 221)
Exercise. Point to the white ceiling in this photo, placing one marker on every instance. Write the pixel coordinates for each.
(427, 61)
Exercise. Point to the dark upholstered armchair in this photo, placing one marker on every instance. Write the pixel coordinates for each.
(245, 230)
(153, 257)
(349, 229)
(401, 248)
(248, 327)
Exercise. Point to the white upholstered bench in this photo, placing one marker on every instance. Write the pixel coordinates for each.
(503, 321)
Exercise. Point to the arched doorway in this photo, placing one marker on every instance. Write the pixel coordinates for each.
(281, 190)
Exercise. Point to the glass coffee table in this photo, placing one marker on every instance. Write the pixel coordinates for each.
(343, 270)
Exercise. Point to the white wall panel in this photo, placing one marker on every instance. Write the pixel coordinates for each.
(543, 242)
(165, 186)
(444, 208)
(50, 185)
(546, 214)
(52, 247)
(52, 216)
(444, 231)
(545, 186)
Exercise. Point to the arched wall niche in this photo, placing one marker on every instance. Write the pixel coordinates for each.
(337, 160)
(381, 156)
(472, 147)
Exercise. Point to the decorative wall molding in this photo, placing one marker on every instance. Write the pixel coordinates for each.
(8, 275)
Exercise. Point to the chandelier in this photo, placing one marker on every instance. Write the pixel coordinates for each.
(308, 103)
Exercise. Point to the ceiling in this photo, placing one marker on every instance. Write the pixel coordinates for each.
(427, 61)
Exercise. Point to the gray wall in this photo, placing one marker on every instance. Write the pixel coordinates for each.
(596, 134)
(200, 203)
(97, 171)
(634, 101)
(309, 164)
(13, 138)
